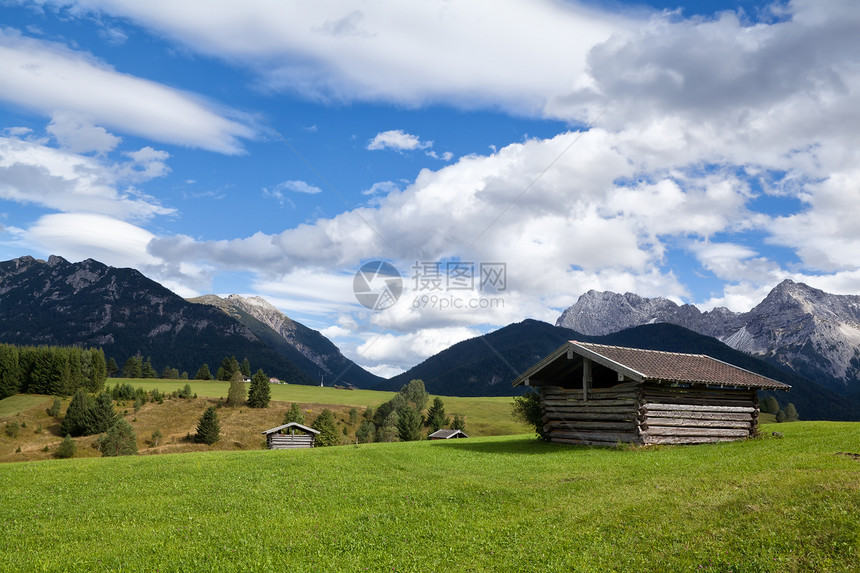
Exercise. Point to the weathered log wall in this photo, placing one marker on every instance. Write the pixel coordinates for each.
(648, 414)
(289, 441)
(607, 417)
(672, 415)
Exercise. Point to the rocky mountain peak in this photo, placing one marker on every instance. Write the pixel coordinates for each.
(814, 332)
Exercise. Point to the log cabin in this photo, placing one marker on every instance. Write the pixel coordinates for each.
(596, 394)
(284, 438)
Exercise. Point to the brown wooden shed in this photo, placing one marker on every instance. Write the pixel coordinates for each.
(276, 440)
(601, 395)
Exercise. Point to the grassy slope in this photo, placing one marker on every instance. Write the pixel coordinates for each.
(240, 427)
(486, 504)
(485, 416)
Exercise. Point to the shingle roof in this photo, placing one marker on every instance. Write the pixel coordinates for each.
(447, 434)
(658, 366)
(291, 425)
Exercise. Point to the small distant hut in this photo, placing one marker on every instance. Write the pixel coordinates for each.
(447, 434)
(282, 437)
(601, 395)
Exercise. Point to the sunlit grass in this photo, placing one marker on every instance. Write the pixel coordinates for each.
(488, 504)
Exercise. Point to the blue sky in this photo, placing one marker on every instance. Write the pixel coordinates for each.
(700, 151)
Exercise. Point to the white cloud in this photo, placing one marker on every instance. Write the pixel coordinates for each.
(389, 349)
(514, 54)
(694, 122)
(298, 187)
(77, 236)
(53, 79)
(398, 140)
(79, 135)
(32, 173)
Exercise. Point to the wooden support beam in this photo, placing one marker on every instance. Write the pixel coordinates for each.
(586, 377)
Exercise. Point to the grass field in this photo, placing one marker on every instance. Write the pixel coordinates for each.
(487, 504)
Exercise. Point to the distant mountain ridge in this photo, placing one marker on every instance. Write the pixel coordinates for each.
(807, 330)
(91, 304)
(307, 348)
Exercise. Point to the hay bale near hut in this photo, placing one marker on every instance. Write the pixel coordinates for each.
(601, 395)
(283, 438)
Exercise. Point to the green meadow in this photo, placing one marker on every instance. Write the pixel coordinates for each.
(487, 504)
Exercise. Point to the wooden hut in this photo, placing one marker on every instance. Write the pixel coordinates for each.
(601, 395)
(276, 439)
(447, 435)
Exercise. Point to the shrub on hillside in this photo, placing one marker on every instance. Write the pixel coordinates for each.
(67, 448)
(54, 410)
(12, 429)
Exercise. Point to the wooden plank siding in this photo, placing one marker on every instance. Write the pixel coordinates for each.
(289, 441)
(696, 414)
(639, 413)
(606, 417)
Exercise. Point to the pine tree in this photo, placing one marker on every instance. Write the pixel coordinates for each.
(769, 405)
(458, 423)
(229, 366)
(67, 448)
(120, 440)
(101, 415)
(236, 391)
(365, 432)
(409, 424)
(294, 414)
(147, 371)
(791, 413)
(75, 421)
(245, 368)
(780, 416)
(260, 394)
(133, 367)
(208, 428)
(327, 426)
(436, 417)
(203, 373)
(111, 367)
(10, 372)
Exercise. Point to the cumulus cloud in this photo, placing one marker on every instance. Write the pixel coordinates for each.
(79, 135)
(48, 77)
(33, 173)
(398, 140)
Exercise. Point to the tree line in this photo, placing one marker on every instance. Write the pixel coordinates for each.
(57, 370)
(404, 418)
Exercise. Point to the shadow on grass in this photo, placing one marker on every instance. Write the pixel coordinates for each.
(528, 446)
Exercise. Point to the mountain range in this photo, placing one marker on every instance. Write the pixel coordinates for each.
(798, 335)
(56, 302)
(806, 330)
